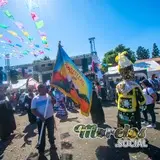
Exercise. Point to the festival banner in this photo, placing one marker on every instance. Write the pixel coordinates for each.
(70, 81)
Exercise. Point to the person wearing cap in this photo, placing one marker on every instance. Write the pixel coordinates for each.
(38, 108)
(129, 94)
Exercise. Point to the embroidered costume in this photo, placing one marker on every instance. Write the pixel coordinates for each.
(129, 94)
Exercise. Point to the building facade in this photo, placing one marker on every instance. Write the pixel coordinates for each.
(42, 70)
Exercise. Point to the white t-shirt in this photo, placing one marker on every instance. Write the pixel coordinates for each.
(39, 103)
(147, 93)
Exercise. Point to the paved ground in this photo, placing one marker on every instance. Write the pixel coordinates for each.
(22, 146)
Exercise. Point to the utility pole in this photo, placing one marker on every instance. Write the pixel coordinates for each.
(7, 67)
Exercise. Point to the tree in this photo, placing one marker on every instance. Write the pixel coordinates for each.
(46, 58)
(155, 52)
(142, 53)
(109, 57)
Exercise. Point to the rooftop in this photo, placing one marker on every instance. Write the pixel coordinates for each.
(151, 59)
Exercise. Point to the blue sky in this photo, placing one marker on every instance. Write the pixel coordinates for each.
(111, 22)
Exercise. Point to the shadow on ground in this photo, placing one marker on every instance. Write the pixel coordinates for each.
(29, 130)
(75, 119)
(108, 104)
(66, 156)
(51, 154)
(73, 110)
(64, 135)
(66, 145)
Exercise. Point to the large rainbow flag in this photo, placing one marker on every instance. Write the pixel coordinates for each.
(70, 81)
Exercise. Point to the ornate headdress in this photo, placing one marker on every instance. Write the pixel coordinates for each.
(125, 66)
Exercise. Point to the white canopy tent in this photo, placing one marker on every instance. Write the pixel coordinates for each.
(150, 66)
(22, 84)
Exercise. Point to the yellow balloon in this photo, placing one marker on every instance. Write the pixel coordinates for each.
(1, 35)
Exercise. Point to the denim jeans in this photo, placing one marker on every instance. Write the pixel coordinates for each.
(150, 110)
(49, 124)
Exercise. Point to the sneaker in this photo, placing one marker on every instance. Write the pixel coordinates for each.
(151, 126)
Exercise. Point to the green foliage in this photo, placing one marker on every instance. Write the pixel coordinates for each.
(104, 66)
(142, 53)
(109, 57)
(45, 58)
(155, 52)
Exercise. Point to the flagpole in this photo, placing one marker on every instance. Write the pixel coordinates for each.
(42, 128)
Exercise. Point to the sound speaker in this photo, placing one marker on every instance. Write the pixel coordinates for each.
(85, 65)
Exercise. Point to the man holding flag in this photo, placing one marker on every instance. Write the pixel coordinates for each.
(65, 78)
(42, 108)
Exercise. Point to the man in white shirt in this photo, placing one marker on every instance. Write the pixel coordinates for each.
(38, 106)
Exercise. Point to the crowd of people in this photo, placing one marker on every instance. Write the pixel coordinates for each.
(131, 99)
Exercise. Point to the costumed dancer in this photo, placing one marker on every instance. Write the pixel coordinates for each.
(69, 104)
(129, 94)
(60, 103)
(7, 121)
(97, 113)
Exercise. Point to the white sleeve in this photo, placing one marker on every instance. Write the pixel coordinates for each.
(150, 91)
(33, 104)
